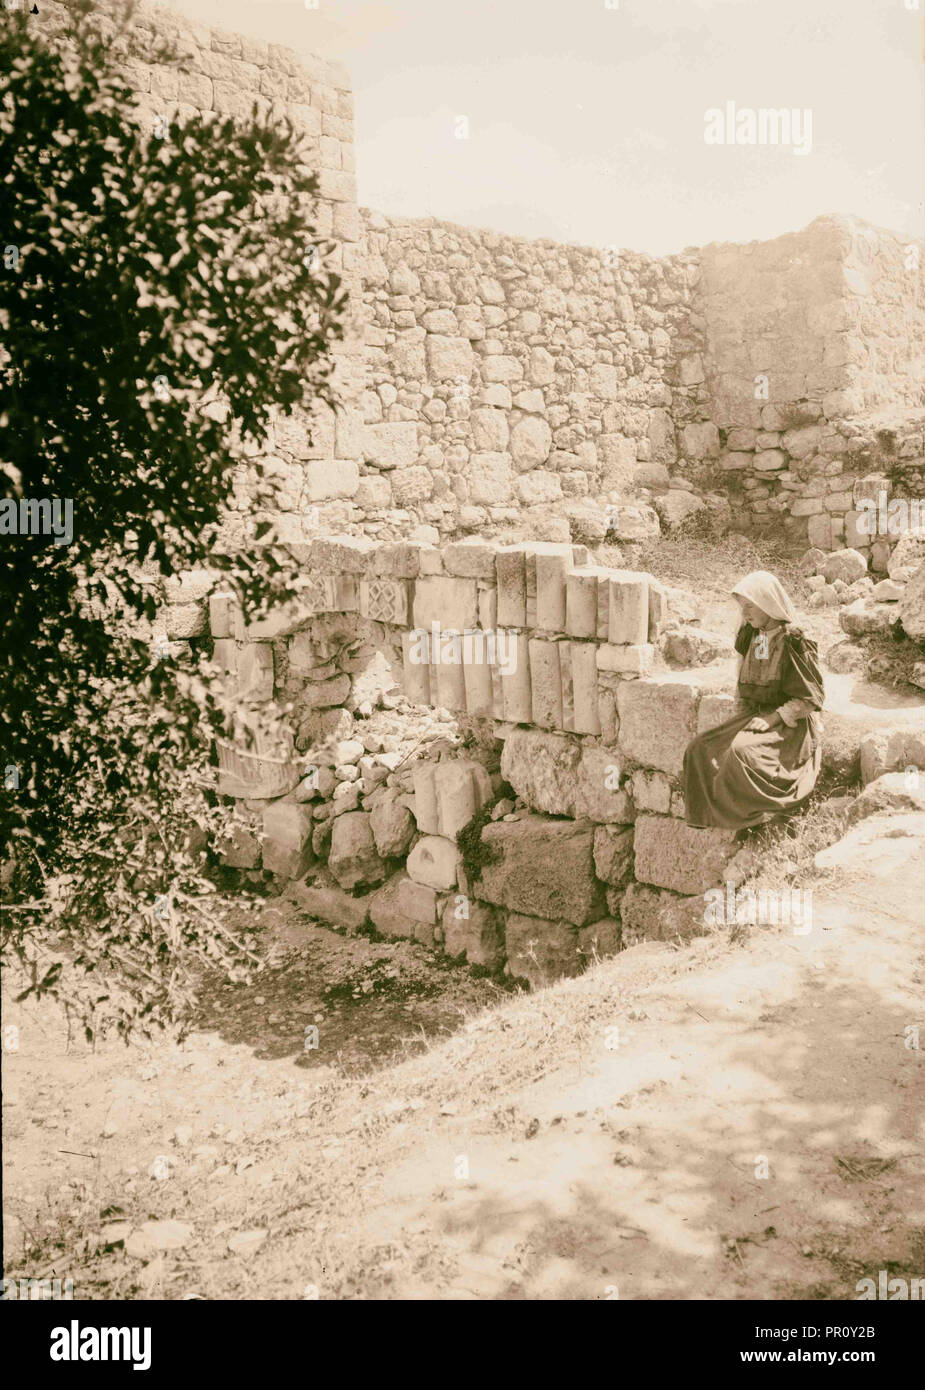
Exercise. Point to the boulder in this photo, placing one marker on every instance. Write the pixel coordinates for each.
(912, 606)
(907, 556)
(541, 868)
(353, 858)
(384, 912)
(676, 506)
(392, 825)
(287, 844)
(329, 904)
(847, 565)
(866, 615)
(846, 658)
(672, 854)
(891, 750)
(566, 776)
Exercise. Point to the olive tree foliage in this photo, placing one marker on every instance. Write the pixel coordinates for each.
(159, 298)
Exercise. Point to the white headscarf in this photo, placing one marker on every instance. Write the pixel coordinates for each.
(766, 592)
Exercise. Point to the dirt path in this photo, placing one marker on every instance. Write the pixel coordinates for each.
(523, 1157)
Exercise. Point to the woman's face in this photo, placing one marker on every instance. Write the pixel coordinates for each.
(751, 613)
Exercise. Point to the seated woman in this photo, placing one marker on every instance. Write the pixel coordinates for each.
(761, 765)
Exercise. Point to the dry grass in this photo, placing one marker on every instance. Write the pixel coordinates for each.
(713, 562)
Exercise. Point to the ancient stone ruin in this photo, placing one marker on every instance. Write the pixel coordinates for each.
(506, 404)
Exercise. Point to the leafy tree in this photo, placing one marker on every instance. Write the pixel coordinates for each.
(159, 299)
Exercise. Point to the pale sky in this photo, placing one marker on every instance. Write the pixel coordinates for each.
(586, 124)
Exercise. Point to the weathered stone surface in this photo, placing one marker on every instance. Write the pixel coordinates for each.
(392, 825)
(434, 861)
(898, 792)
(912, 606)
(906, 557)
(566, 776)
(658, 719)
(613, 853)
(544, 867)
(330, 904)
(885, 845)
(417, 901)
(241, 849)
(693, 646)
(866, 615)
(474, 930)
(847, 565)
(540, 950)
(287, 845)
(600, 939)
(384, 912)
(462, 786)
(651, 791)
(448, 602)
(890, 750)
(672, 854)
(353, 859)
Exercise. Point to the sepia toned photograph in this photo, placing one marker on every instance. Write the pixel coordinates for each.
(462, 692)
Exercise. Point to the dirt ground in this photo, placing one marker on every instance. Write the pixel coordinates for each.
(757, 1131)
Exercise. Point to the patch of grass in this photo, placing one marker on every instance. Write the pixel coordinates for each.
(475, 852)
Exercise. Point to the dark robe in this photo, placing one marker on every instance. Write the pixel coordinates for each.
(735, 778)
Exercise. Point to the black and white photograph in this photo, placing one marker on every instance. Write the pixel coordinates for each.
(462, 690)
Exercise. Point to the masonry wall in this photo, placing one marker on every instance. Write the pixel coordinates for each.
(523, 382)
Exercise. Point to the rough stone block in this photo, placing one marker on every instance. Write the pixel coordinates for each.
(613, 853)
(657, 722)
(714, 710)
(491, 479)
(415, 674)
(255, 671)
(540, 950)
(240, 849)
(392, 445)
(672, 854)
(543, 867)
(600, 939)
(552, 563)
(287, 845)
(582, 601)
(514, 695)
(585, 705)
(434, 861)
(628, 661)
(474, 930)
(462, 786)
(471, 558)
(417, 901)
(330, 904)
(224, 612)
(384, 912)
(426, 811)
(566, 776)
(353, 858)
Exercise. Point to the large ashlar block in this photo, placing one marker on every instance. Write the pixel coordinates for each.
(658, 719)
(448, 602)
(224, 614)
(585, 705)
(447, 682)
(553, 563)
(415, 673)
(586, 595)
(513, 682)
(627, 661)
(287, 845)
(566, 776)
(542, 867)
(672, 854)
(546, 684)
(629, 608)
(479, 689)
(512, 594)
(715, 710)
(417, 901)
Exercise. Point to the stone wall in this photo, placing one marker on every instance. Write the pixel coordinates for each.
(815, 350)
(502, 386)
(523, 382)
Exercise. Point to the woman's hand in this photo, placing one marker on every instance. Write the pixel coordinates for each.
(758, 725)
